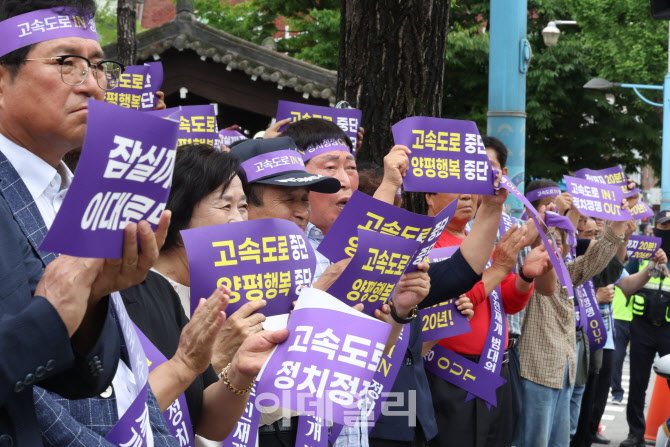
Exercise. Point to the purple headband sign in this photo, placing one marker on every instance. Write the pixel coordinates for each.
(349, 120)
(324, 146)
(594, 326)
(228, 137)
(374, 271)
(260, 259)
(327, 364)
(45, 24)
(611, 176)
(596, 199)
(541, 193)
(124, 175)
(271, 163)
(642, 247)
(447, 156)
(137, 87)
(365, 212)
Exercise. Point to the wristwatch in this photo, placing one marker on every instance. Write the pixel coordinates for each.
(412, 315)
(524, 277)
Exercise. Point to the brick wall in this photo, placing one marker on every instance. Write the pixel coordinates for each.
(157, 12)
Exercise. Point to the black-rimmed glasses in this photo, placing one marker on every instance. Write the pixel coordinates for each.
(74, 70)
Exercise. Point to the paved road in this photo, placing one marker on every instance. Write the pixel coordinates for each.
(614, 423)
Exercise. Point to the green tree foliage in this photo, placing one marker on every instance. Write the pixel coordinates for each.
(105, 22)
(564, 119)
(317, 24)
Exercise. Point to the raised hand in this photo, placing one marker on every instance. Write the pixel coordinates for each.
(132, 268)
(499, 196)
(507, 250)
(466, 307)
(196, 342)
(66, 283)
(411, 290)
(239, 326)
(273, 131)
(251, 356)
(605, 295)
(537, 262)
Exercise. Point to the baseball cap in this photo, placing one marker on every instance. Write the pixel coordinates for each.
(278, 161)
(662, 216)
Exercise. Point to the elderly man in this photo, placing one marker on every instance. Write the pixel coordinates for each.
(328, 152)
(68, 342)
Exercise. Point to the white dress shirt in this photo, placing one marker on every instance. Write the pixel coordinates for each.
(48, 186)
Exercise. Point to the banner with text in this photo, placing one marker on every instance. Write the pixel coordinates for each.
(137, 87)
(596, 199)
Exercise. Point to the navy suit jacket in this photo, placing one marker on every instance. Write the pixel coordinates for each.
(35, 347)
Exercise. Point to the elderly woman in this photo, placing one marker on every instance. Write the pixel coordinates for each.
(206, 190)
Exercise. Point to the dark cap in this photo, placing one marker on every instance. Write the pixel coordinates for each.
(278, 161)
(661, 217)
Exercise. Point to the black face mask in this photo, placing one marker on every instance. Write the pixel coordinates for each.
(665, 239)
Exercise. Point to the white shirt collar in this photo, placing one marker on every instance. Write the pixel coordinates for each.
(36, 173)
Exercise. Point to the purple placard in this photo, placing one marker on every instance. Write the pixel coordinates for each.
(324, 146)
(349, 120)
(230, 136)
(197, 125)
(272, 163)
(611, 176)
(556, 261)
(326, 365)
(137, 87)
(447, 156)
(641, 211)
(45, 24)
(133, 425)
(260, 259)
(594, 326)
(124, 175)
(374, 271)
(246, 428)
(541, 193)
(596, 199)
(642, 247)
(384, 378)
(443, 320)
(464, 373)
(367, 213)
(312, 432)
(176, 415)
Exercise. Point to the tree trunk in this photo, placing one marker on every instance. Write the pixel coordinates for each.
(391, 66)
(126, 23)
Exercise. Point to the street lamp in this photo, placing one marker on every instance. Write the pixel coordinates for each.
(551, 33)
(604, 84)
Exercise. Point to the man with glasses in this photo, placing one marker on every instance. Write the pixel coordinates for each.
(59, 325)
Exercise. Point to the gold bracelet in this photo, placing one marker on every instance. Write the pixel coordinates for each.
(224, 377)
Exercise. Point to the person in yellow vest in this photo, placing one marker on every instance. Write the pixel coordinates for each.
(649, 328)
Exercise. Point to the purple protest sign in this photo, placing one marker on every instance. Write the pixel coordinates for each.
(328, 361)
(137, 87)
(447, 156)
(367, 213)
(349, 120)
(594, 326)
(641, 211)
(197, 125)
(45, 24)
(260, 259)
(272, 163)
(611, 176)
(596, 199)
(230, 136)
(442, 320)
(124, 175)
(133, 425)
(246, 428)
(463, 373)
(642, 247)
(374, 271)
(384, 378)
(556, 261)
(312, 432)
(176, 415)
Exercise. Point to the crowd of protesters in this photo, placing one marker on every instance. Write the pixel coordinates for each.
(68, 373)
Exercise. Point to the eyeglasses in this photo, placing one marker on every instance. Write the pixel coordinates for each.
(74, 69)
